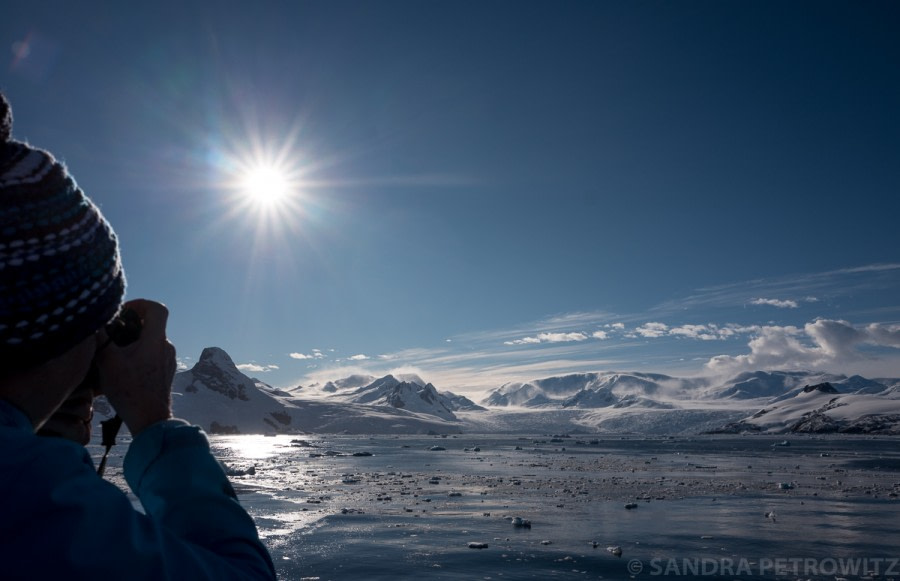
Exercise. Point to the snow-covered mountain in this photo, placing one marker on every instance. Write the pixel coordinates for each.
(351, 381)
(460, 402)
(582, 390)
(407, 395)
(823, 408)
(655, 403)
(408, 392)
(217, 396)
(602, 390)
(781, 384)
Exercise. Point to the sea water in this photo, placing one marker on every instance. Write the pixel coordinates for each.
(599, 507)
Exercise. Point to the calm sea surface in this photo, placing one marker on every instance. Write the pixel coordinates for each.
(730, 507)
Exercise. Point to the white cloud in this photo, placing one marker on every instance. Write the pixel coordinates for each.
(316, 354)
(772, 348)
(602, 335)
(833, 338)
(652, 330)
(548, 338)
(821, 345)
(256, 368)
(359, 357)
(523, 341)
(701, 332)
(786, 304)
(619, 326)
(887, 335)
(561, 337)
(707, 332)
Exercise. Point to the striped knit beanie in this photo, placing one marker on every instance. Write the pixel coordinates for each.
(61, 277)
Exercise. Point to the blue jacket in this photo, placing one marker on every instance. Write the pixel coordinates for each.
(59, 520)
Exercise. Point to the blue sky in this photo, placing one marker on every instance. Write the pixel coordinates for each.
(488, 191)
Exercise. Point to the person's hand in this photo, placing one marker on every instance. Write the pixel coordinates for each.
(137, 378)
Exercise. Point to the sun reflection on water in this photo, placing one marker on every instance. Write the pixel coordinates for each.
(252, 447)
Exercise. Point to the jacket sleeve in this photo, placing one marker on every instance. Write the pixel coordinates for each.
(61, 521)
(198, 522)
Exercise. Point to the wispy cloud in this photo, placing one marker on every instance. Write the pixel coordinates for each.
(812, 286)
(256, 368)
(702, 332)
(182, 363)
(882, 267)
(781, 304)
(359, 357)
(315, 354)
(549, 338)
(652, 330)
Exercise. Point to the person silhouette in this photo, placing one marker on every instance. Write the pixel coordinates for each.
(61, 284)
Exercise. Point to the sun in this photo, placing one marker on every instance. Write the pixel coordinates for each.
(260, 183)
(265, 185)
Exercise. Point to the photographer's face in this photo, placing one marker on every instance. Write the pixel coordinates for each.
(72, 419)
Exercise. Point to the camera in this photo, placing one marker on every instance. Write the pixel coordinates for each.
(125, 329)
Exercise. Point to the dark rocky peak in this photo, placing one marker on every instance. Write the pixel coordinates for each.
(821, 387)
(217, 371)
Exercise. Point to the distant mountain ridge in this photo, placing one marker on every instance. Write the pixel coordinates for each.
(600, 390)
(586, 390)
(656, 403)
(216, 395)
(408, 395)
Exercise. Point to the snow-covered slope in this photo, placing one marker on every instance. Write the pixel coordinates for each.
(822, 408)
(787, 384)
(654, 403)
(217, 396)
(408, 392)
(757, 384)
(349, 382)
(460, 402)
(601, 390)
(411, 396)
(583, 390)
